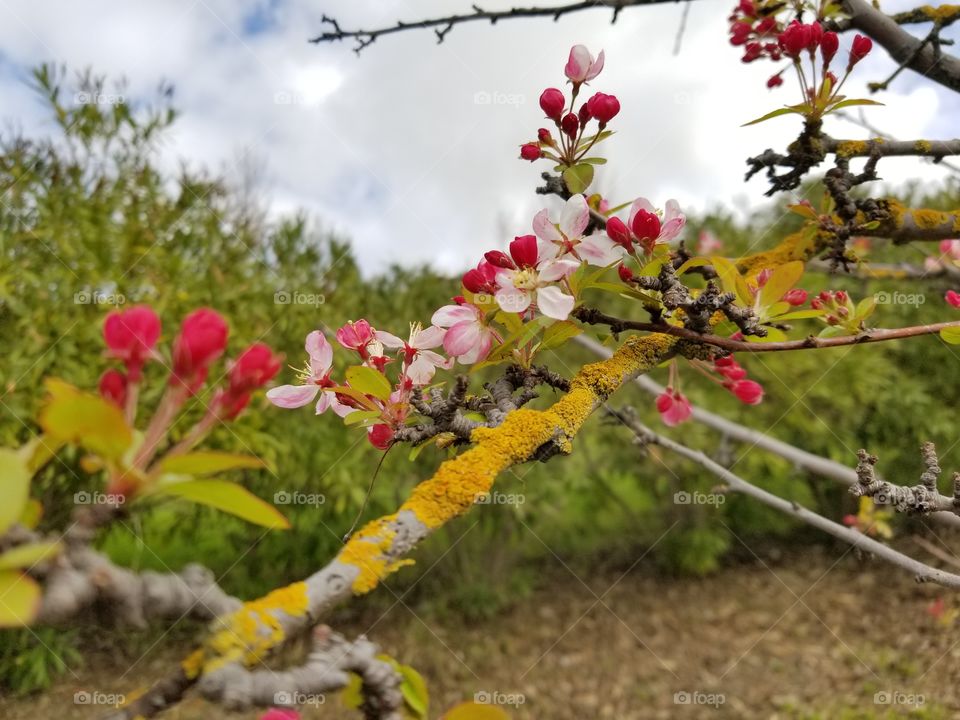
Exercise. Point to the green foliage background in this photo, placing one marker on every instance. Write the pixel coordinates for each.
(86, 210)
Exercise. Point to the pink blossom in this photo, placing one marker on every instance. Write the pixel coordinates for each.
(280, 714)
(673, 406)
(566, 236)
(581, 65)
(356, 336)
(748, 392)
(531, 281)
(420, 362)
(708, 243)
(314, 379)
(953, 298)
(467, 338)
(795, 297)
(671, 221)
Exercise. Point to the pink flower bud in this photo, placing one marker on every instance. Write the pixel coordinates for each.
(202, 339)
(552, 103)
(570, 125)
(764, 276)
(746, 391)
(544, 136)
(113, 387)
(774, 81)
(380, 436)
(953, 298)
(131, 335)
(618, 231)
(480, 279)
(581, 65)
(795, 297)
(603, 107)
(530, 151)
(500, 259)
(625, 273)
(646, 225)
(829, 44)
(840, 296)
(256, 366)
(747, 8)
(524, 251)
(795, 38)
(861, 48)
(673, 406)
(356, 335)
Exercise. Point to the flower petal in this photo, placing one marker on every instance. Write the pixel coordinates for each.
(553, 270)
(320, 351)
(292, 396)
(545, 229)
(600, 250)
(450, 315)
(554, 303)
(429, 337)
(389, 339)
(641, 203)
(575, 216)
(461, 338)
(511, 299)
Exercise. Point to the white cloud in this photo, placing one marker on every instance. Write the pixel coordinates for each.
(400, 148)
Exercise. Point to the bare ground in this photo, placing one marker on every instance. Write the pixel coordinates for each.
(814, 634)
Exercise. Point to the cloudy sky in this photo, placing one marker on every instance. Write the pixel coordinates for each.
(397, 148)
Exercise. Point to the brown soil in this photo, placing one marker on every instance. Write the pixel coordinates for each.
(814, 635)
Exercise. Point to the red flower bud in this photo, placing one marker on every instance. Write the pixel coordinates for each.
(816, 35)
(646, 225)
(480, 279)
(113, 387)
(380, 436)
(544, 136)
(795, 38)
(953, 298)
(860, 49)
(530, 151)
(746, 391)
(131, 335)
(795, 297)
(618, 231)
(774, 81)
(202, 339)
(570, 124)
(500, 259)
(740, 33)
(256, 366)
(524, 251)
(840, 296)
(829, 44)
(626, 274)
(552, 103)
(603, 107)
(816, 304)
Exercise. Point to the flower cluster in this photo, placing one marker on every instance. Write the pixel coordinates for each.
(799, 41)
(572, 143)
(757, 30)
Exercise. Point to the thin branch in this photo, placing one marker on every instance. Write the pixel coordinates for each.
(882, 147)
(816, 464)
(921, 571)
(443, 25)
(617, 325)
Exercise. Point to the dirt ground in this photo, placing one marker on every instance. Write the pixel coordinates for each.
(811, 634)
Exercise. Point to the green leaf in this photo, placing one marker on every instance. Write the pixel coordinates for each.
(951, 335)
(803, 211)
(732, 280)
(354, 394)
(414, 691)
(578, 177)
(692, 263)
(362, 416)
(367, 380)
(865, 308)
(19, 599)
(207, 462)
(594, 161)
(85, 419)
(558, 333)
(228, 497)
(26, 556)
(800, 315)
(852, 102)
(14, 487)
(783, 278)
(775, 113)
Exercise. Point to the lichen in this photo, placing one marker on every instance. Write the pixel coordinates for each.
(942, 13)
(849, 148)
(922, 146)
(800, 245)
(247, 634)
(927, 219)
(193, 664)
(369, 551)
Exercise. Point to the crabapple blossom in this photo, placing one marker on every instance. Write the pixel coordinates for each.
(603, 107)
(380, 436)
(748, 392)
(581, 65)
(130, 336)
(468, 338)
(859, 50)
(256, 366)
(953, 298)
(708, 243)
(113, 387)
(482, 279)
(651, 228)
(795, 297)
(829, 44)
(567, 235)
(530, 151)
(570, 124)
(674, 407)
(552, 103)
(202, 339)
(619, 233)
(357, 336)
(315, 379)
(532, 280)
(420, 362)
